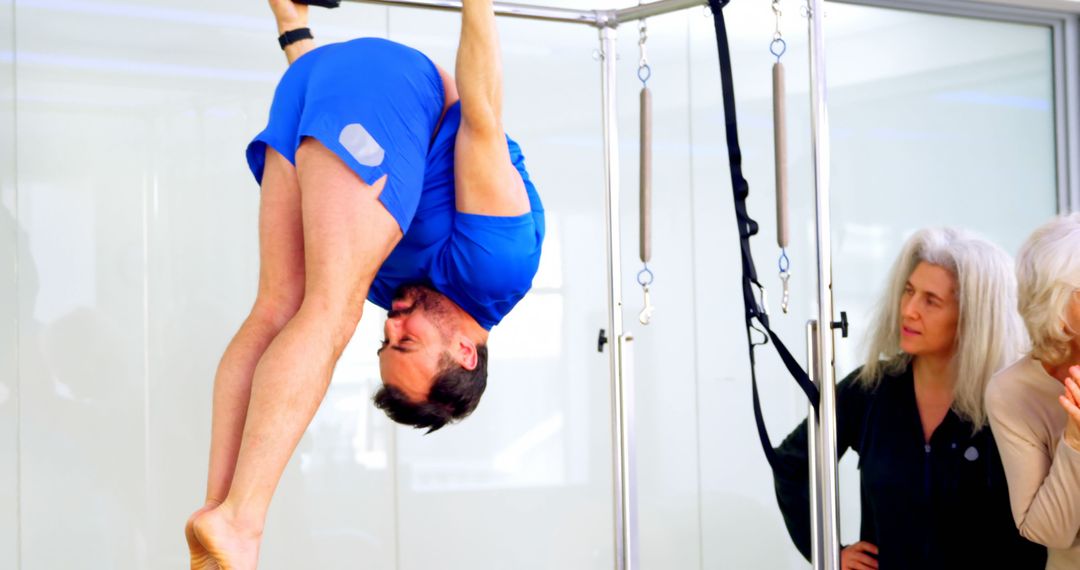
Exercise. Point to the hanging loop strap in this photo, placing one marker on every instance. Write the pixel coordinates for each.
(757, 318)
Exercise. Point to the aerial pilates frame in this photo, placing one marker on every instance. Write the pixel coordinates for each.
(825, 527)
(823, 476)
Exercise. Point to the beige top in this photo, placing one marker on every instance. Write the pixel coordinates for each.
(1043, 471)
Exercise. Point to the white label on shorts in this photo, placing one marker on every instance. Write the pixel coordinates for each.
(361, 145)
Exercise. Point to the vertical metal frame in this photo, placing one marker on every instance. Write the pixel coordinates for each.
(812, 442)
(621, 414)
(1068, 110)
(827, 471)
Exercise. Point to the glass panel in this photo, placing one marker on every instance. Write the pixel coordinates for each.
(919, 105)
(144, 242)
(537, 450)
(9, 241)
(137, 260)
(666, 389)
(335, 503)
(81, 318)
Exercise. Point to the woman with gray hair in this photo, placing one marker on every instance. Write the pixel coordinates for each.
(932, 486)
(1033, 404)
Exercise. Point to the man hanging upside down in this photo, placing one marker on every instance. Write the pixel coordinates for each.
(381, 179)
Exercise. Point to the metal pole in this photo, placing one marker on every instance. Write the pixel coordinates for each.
(525, 11)
(599, 18)
(813, 438)
(654, 9)
(625, 543)
(825, 374)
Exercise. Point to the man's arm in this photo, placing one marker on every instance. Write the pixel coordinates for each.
(486, 181)
(292, 16)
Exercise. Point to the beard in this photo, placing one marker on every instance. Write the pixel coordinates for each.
(434, 305)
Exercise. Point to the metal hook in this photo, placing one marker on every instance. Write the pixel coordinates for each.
(764, 335)
(763, 299)
(645, 316)
(785, 275)
(645, 278)
(644, 70)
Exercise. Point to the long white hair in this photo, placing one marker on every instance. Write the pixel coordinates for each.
(989, 333)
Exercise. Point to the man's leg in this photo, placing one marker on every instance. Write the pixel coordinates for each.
(281, 288)
(347, 236)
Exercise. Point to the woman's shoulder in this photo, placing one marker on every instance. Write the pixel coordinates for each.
(856, 391)
(889, 375)
(1023, 385)
(1013, 381)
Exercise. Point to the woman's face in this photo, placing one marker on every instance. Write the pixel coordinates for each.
(929, 311)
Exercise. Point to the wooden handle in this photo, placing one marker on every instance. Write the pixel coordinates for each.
(780, 144)
(646, 175)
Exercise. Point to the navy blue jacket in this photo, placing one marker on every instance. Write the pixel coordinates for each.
(925, 506)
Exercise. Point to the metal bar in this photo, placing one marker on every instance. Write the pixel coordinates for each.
(813, 436)
(526, 11)
(983, 10)
(1061, 131)
(625, 543)
(643, 11)
(1070, 111)
(627, 457)
(825, 374)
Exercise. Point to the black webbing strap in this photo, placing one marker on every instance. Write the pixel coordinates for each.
(755, 311)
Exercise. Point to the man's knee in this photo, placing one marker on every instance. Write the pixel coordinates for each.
(335, 316)
(276, 309)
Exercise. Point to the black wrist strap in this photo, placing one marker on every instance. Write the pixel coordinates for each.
(293, 36)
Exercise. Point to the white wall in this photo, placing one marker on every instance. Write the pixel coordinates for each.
(128, 260)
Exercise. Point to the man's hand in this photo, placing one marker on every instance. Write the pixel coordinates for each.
(289, 15)
(1071, 402)
(292, 16)
(859, 556)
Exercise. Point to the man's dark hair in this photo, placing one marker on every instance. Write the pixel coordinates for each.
(454, 395)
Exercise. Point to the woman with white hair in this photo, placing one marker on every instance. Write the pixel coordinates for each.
(932, 487)
(1033, 404)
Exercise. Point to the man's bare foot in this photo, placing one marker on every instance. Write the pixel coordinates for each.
(223, 543)
(199, 556)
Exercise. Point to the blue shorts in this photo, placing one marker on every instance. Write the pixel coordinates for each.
(373, 102)
(376, 104)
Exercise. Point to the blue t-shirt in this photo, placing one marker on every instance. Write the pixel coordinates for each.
(485, 264)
